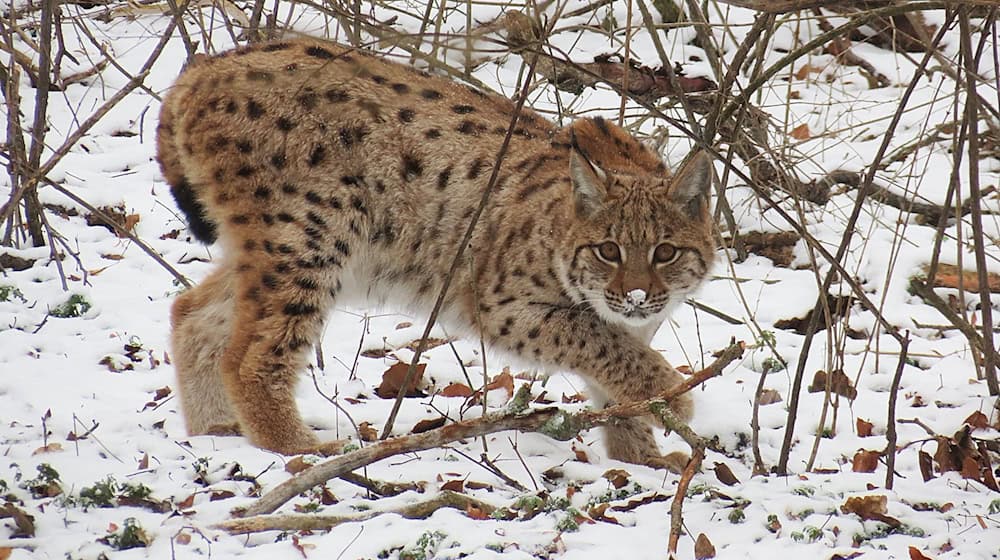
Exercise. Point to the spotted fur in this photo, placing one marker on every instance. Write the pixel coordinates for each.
(326, 172)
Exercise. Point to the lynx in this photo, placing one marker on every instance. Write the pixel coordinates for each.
(326, 172)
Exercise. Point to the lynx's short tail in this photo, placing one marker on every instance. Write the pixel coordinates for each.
(185, 194)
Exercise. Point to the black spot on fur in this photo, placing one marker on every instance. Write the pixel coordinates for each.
(289, 188)
(262, 193)
(412, 167)
(285, 217)
(279, 161)
(306, 284)
(335, 95)
(341, 246)
(239, 220)
(269, 281)
(432, 134)
(430, 94)
(406, 115)
(254, 110)
(463, 109)
(443, 177)
(275, 47)
(308, 99)
(245, 171)
(476, 168)
(317, 155)
(378, 79)
(358, 205)
(319, 52)
(314, 198)
(401, 88)
(285, 124)
(244, 146)
(298, 308)
(316, 219)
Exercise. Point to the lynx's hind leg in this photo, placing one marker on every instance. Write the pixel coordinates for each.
(201, 319)
(283, 295)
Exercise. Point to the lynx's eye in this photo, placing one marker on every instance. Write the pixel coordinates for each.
(665, 254)
(609, 252)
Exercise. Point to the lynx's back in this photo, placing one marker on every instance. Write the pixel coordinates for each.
(326, 171)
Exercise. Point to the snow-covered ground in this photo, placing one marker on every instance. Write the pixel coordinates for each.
(88, 397)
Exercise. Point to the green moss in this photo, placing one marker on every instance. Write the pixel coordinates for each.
(75, 306)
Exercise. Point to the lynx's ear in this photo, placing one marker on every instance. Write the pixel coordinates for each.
(691, 186)
(589, 181)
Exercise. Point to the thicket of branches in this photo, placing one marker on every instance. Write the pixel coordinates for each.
(719, 112)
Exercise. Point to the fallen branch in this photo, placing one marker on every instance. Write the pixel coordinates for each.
(553, 422)
(307, 522)
(676, 517)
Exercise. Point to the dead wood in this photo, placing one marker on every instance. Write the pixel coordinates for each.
(553, 422)
(950, 276)
(304, 522)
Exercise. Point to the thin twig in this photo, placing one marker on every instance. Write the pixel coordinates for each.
(890, 431)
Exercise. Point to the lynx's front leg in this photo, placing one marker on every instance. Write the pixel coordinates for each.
(619, 364)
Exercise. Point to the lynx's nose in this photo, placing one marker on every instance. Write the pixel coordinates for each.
(636, 297)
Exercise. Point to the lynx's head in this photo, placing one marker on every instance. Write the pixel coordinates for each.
(640, 241)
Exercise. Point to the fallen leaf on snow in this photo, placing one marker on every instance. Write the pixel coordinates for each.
(863, 427)
(839, 384)
(872, 508)
(978, 421)
(392, 381)
(703, 548)
(429, 424)
(801, 132)
(917, 555)
(617, 477)
(457, 485)
(769, 396)
(725, 474)
(865, 460)
(457, 390)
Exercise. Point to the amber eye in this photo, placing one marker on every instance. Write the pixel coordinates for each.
(609, 252)
(664, 254)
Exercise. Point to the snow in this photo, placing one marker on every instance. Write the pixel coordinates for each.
(53, 382)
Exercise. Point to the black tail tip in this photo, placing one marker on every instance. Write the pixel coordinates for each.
(199, 225)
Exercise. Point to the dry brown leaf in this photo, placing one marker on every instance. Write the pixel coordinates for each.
(474, 512)
(805, 70)
(457, 390)
(571, 399)
(144, 462)
(581, 455)
(457, 485)
(769, 396)
(978, 421)
(431, 343)
(865, 460)
(773, 525)
(725, 474)
(50, 448)
(130, 222)
(428, 425)
(863, 427)
(366, 432)
(801, 132)
(970, 469)
(926, 465)
(839, 384)
(473, 485)
(183, 538)
(392, 381)
(871, 508)
(24, 524)
(403, 325)
(598, 512)
(186, 503)
(703, 548)
(917, 555)
(503, 381)
(5, 552)
(617, 477)
(219, 495)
